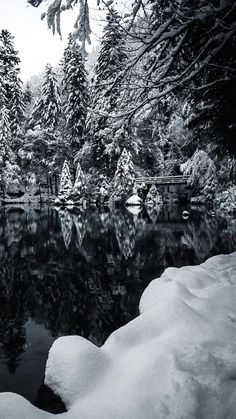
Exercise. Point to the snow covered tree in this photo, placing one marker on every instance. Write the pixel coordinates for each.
(153, 197)
(28, 95)
(65, 184)
(17, 106)
(5, 136)
(47, 110)
(123, 181)
(75, 90)
(79, 189)
(9, 69)
(2, 90)
(111, 60)
(11, 177)
(202, 172)
(104, 189)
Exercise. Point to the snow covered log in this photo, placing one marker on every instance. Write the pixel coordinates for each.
(176, 360)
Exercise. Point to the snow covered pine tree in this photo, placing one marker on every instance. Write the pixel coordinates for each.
(123, 181)
(75, 91)
(65, 185)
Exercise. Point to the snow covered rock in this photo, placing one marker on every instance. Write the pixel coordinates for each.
(134, 200)
(176, 360)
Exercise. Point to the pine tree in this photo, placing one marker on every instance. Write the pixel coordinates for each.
(2, 91)
(9, 67)
(104, 189)
(17, 106)
(47, 110)
(124, 179)
(65, 184)
(111, 61)
(28, 95)
(112, 56)
(79, 190)
(5, 136)
(75, 91)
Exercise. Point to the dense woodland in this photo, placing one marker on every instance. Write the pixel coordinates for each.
(160, 98)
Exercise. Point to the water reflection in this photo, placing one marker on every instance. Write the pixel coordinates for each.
(82, 272)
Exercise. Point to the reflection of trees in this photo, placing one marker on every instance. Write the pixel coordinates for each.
(66, 225)
(153, 212)
(12, 315)
(203, 238)
(203, 235)
(111, 258)
(124, 229)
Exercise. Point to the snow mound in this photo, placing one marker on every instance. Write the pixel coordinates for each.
(134, 200)
(177, 359)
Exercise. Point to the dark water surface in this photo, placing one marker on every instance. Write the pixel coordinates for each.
(83, 272)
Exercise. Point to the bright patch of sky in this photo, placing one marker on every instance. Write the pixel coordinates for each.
(34, 41)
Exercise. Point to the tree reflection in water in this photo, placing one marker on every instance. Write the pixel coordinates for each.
(82, 272)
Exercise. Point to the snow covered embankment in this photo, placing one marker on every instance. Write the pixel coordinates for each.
(176, 360)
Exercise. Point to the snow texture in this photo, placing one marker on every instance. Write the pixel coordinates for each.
(175, 360)
(134, 200)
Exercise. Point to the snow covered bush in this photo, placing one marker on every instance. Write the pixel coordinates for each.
(153, 197)
(65, 184)
(124, 179)
(202, 171)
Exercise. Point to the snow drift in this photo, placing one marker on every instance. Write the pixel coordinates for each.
(176, 360)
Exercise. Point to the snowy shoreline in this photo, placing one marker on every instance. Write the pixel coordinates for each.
(175, 360)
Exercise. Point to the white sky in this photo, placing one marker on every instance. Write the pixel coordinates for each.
(34, 41)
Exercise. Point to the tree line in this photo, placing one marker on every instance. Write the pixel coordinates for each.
(162, 89)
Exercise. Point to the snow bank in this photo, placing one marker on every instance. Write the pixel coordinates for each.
(176, 360)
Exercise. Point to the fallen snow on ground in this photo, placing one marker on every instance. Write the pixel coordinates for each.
(176, 360)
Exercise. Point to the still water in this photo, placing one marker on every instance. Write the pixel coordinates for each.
(82, 272)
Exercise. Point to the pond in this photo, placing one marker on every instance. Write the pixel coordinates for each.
(83, 272)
